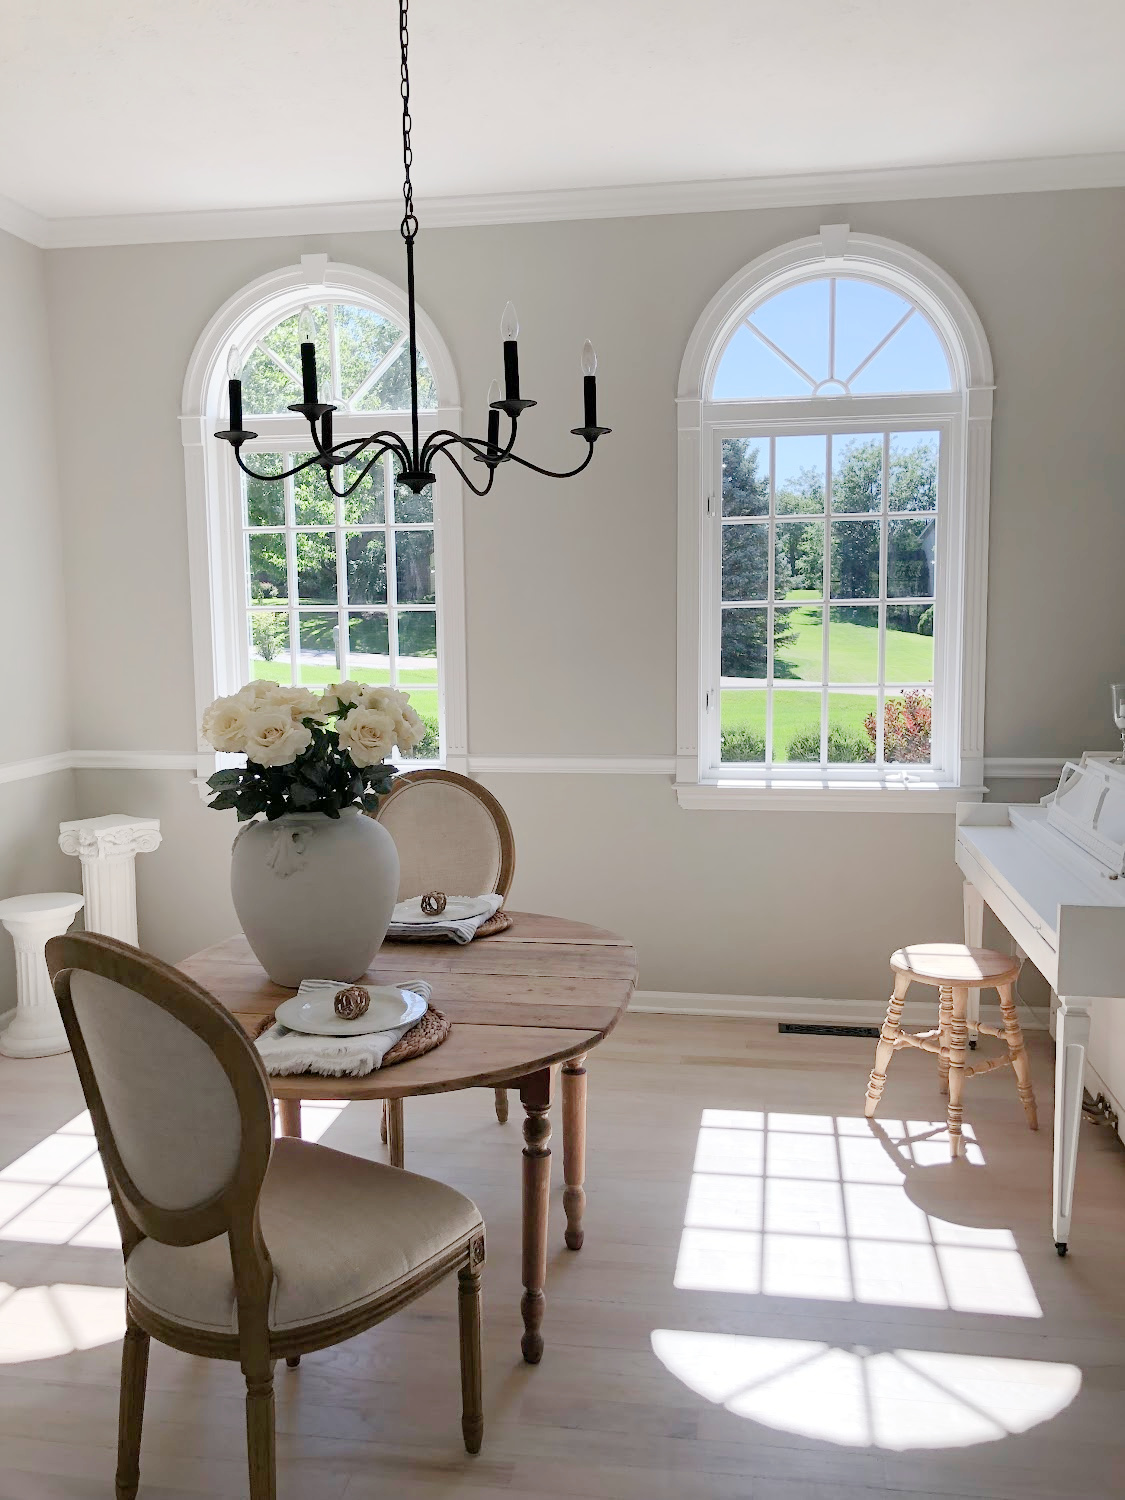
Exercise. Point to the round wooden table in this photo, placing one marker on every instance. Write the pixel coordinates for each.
(541, 994)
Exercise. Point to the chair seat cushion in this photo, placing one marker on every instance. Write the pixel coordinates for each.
(340, 1231)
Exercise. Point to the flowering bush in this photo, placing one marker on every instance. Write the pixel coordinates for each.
(906, 727)
(306, 751)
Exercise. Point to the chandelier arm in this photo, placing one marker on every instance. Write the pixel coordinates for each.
(555, 473)
(284, 474)
(397, 447)
(476, 489)
(444, 438)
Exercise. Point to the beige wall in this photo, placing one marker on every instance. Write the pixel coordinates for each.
(35, 715)
(571, 587)
(35, 712)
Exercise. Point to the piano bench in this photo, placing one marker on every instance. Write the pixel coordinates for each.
(954, 970)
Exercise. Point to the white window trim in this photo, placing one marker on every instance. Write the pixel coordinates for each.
(214, 532)
(839, 251)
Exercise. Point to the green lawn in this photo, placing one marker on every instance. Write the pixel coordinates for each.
(853, 650)
(314, 676)
(793, 712)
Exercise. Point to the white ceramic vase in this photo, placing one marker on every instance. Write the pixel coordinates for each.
(314, 894)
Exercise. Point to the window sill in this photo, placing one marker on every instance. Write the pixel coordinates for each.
(766, 794)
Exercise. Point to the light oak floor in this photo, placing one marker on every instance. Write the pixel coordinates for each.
(774, 1302)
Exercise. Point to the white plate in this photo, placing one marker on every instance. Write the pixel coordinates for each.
(311, 1010)
(457, 909)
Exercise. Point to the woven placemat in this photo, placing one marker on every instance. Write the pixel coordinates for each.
(499, 922)
(422, 1037)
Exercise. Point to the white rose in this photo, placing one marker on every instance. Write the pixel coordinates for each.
(261, 690)
(224, 725)
(367, 734)
(387, 700)
(341, 695)
(301, 703)
(409, 729)
(273, 737)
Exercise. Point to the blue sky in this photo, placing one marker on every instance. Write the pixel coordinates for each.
(797, 321)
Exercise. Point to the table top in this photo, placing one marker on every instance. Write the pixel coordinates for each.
(546, 990)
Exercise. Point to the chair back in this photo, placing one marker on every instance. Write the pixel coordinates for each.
(179, 1099)
(451, 833)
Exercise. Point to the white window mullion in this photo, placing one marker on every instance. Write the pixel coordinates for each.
(343, 663)
(389, 499)
(827, 587)
(291, 576)
(771, 606)
(884, 548)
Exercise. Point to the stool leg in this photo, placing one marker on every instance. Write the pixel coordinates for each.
(1021, 1065)
(891, 1031)
(958, 1039)
(945, 1021)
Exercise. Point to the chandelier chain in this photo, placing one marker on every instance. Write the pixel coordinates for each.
(409, 226)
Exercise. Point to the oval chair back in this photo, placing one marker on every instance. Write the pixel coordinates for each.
(451, 834)
(180, 1102)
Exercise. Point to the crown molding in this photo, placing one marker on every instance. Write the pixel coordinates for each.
(24, 224)
(969, 179)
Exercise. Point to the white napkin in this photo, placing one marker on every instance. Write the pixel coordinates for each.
(461, 932)
(285, 1052)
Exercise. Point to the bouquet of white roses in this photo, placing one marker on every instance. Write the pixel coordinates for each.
(306, 751)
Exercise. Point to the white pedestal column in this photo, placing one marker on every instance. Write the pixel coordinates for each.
(36, 1029)
(108, 848)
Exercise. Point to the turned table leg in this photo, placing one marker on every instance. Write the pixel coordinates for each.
(396, 1139)
(574, 1148)
(535, 1096)
(289, 1118)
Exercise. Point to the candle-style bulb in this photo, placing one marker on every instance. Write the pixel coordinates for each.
(306, 327)
(509, 323)
(234, 363)
(589, 359)
(494, 393)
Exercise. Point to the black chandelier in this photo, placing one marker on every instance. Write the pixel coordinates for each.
(415, 460)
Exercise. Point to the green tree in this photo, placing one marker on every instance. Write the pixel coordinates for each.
(746, 564)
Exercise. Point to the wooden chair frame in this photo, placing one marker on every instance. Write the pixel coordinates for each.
(233, 1211)
(391, 1129)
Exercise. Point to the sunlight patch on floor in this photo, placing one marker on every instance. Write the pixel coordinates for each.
(43, 1322)
(815, 1206)
(897, 1399)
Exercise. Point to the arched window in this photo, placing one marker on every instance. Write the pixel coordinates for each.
(833, 524)
(290, 581)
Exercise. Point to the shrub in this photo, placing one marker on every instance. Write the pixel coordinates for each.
(743, 744)
(906, 727)
(845, 747)
(804, 746)
(429, 747)
(268, 633)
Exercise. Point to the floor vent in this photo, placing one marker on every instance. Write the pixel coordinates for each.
(795, 1028)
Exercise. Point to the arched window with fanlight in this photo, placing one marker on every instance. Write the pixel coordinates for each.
(291, 582)
(828, 487)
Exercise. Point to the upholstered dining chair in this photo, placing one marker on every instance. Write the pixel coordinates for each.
(236, 1246)
(452, 835)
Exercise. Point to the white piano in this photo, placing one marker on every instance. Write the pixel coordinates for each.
(1054, 875)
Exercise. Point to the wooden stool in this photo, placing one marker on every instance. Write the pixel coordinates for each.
(954, 970)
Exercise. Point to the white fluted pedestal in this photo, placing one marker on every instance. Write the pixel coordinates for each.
(36, 1029)
(108, 848)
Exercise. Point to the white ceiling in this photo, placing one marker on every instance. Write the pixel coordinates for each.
(136, 107)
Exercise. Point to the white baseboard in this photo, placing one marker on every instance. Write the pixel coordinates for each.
(798, 1008)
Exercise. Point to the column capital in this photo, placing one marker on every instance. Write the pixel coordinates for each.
(109, 837)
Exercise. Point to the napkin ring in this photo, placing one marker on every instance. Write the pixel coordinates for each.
(351, 1003)
(434, 903)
